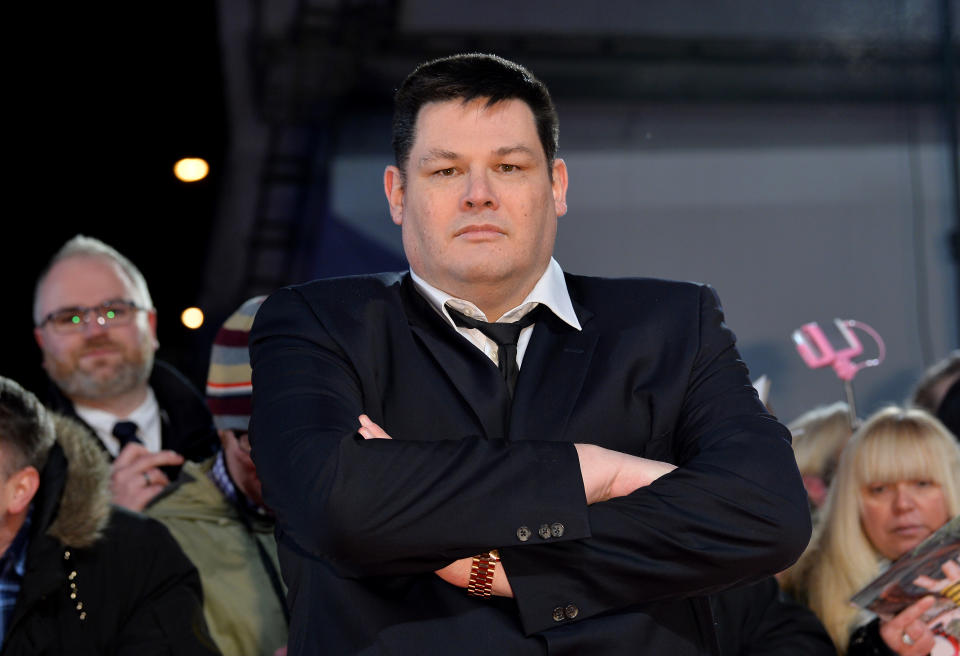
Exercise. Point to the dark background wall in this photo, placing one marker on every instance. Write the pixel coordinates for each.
(798, 156)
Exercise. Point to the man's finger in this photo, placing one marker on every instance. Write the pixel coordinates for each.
(138, 499)
(155, 477)
(147, 460)
(129, 453)
(370, 430)
(135, 478)
(132, 490)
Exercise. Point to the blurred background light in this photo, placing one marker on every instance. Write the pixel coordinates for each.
(191, 169)
(192, 318)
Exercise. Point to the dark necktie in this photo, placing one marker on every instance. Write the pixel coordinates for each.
(126, 432)
(505, 335)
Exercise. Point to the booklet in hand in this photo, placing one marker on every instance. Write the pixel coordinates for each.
(916, 574)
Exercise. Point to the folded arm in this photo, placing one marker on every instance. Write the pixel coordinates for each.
(733, 511)
(606, 474)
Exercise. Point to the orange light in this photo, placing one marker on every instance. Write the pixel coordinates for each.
(191, 169)
(192, 318)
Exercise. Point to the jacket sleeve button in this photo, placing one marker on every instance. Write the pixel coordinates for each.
(558, 614)
(544, 531)
(556, 530)
(523, 533)
(571, 611)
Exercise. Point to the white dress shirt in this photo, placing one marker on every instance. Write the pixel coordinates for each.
(146, 416)
(550, 290)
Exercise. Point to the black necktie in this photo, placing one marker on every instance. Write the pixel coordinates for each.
(505, 335)
(126, 432)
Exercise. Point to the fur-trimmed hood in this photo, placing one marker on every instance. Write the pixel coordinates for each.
(85, 502)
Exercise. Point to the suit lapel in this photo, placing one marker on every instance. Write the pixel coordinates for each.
(471, 373)
(554, 368)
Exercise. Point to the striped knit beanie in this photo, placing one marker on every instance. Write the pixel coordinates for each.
(229, 390)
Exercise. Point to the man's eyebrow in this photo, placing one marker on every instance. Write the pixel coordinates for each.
(510, 150)
(436, 154)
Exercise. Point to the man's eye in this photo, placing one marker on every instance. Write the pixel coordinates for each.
(446, 173)
(115, 311)
(508, 168)
(68, 318)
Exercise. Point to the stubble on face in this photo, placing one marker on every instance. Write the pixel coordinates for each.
(101, 368)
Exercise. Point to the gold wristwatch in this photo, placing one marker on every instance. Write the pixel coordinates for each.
(481, 574)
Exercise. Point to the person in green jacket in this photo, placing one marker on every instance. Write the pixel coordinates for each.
(215, 511)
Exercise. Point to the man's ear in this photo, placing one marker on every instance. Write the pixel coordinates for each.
(38, 336)
(560, 186)
(25, 484)
(393, 188)
(152, 321)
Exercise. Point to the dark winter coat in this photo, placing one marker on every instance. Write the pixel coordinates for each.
(100, 579)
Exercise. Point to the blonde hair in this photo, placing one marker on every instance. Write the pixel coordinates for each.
(892, 445)
(819, 436)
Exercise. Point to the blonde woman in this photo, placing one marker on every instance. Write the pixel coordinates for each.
(897, 482)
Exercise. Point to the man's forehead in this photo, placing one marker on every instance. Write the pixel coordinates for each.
(85, 280)
(440, 121)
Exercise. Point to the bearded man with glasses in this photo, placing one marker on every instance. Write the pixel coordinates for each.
(97, 328)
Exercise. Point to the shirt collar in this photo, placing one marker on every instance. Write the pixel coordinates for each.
(146, 416)
(103, 420)
(550, 290)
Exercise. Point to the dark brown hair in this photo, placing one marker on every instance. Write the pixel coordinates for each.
(467, 77)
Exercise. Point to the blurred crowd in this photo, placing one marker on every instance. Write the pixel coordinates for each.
(132, 517)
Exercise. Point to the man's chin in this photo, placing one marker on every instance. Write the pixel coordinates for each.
(101, 382)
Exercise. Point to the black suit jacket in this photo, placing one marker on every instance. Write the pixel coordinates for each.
(362, 524)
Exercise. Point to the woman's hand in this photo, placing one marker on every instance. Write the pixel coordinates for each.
(906, 634)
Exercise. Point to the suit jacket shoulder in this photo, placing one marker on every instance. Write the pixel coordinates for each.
(649, 294)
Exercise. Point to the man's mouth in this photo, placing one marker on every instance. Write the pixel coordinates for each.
(479, 230)
(99, 350)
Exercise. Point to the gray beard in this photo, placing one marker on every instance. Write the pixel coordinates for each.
(129, 375)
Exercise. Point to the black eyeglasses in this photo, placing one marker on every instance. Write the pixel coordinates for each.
(75, 319)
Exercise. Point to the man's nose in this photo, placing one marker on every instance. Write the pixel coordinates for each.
(95, 325)
(478, 194)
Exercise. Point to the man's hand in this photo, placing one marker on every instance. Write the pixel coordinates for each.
(609, 474)
(135, 478)
(370, 431)
(606, 474)
(458, 573)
